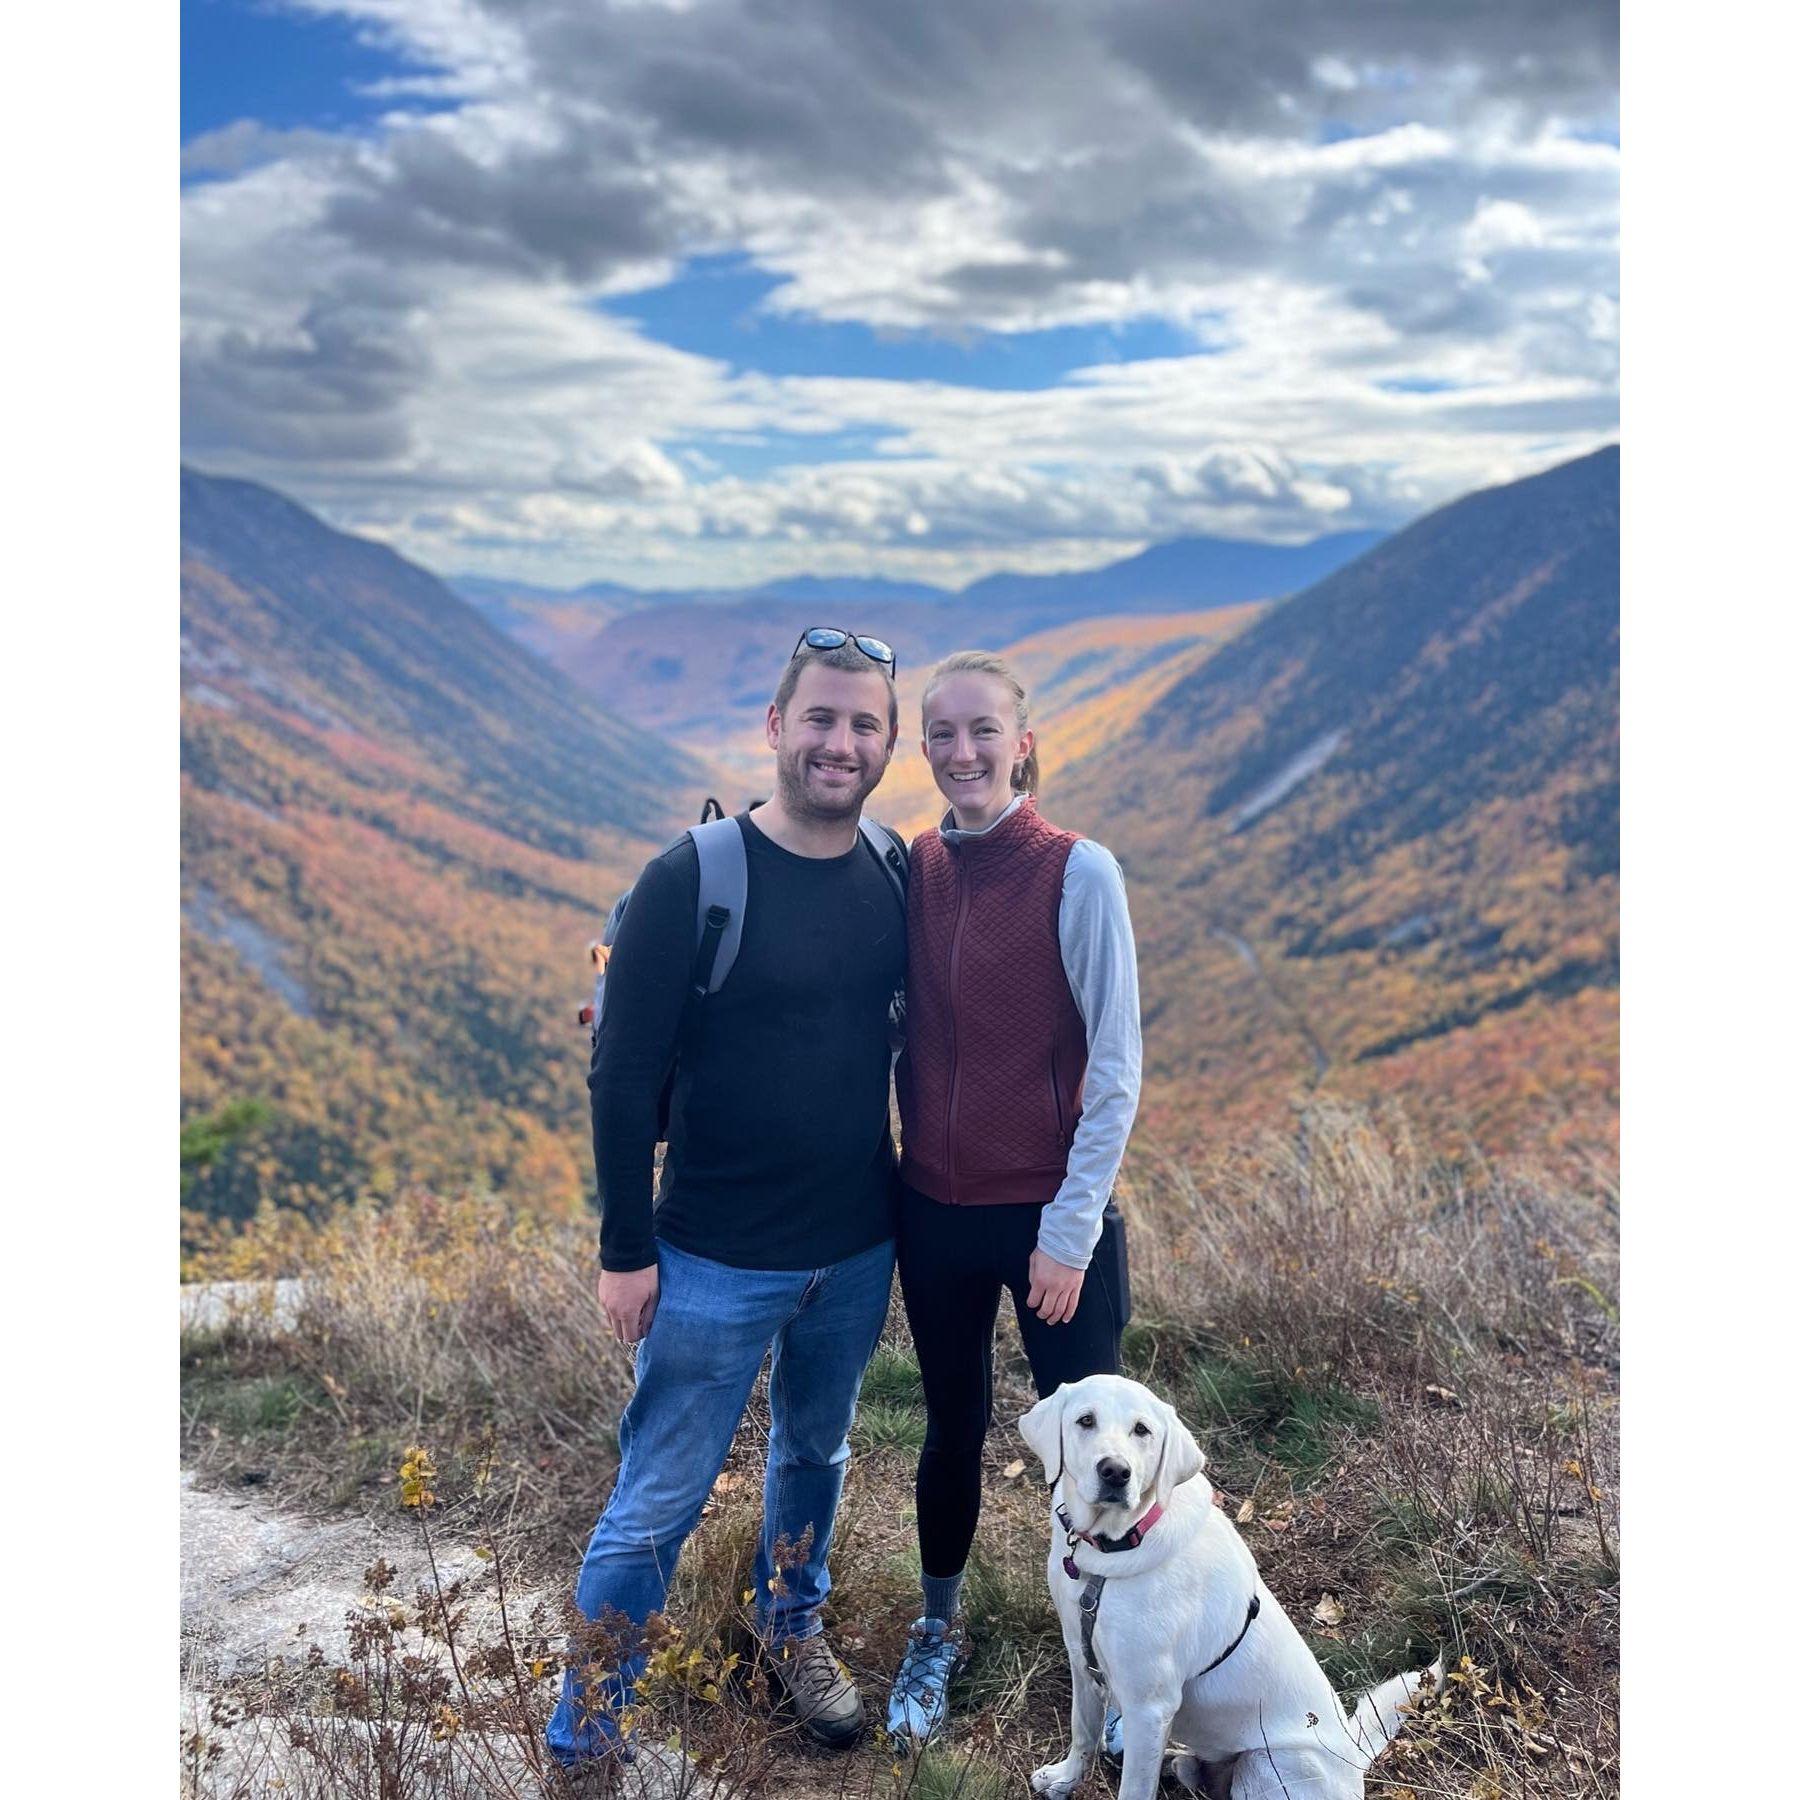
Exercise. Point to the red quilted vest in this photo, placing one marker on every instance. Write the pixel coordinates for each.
(990, 1082)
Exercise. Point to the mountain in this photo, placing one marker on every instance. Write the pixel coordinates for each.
(702, 666)
(1373, 839)
(399, 829)
(482, 591)
(543, 618)
(1186, 573)
(544, 622)
(851, 588)
(342, 632)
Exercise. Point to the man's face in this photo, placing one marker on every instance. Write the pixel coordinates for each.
(833, 743)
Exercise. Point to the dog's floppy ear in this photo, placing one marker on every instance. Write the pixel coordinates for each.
(1182, 1458)
(1041, 1428)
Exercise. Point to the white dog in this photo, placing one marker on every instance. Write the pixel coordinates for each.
(1188, 1641)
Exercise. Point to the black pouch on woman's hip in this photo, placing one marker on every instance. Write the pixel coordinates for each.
(1111, 1262)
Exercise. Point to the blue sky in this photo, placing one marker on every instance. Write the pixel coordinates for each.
(244, 59)
(716, 307)
(571, 289)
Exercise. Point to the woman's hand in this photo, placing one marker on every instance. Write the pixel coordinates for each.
(1055, 1289)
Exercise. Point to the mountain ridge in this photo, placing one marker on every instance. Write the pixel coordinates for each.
(320, 614)
(398, 831)
(701, 669)
(1377, 828)
(1228, 571)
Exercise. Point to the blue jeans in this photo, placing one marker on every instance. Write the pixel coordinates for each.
(695, 1370)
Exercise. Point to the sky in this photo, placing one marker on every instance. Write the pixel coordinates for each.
(705, 292)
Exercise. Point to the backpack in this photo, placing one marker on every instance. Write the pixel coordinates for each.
(719, 924)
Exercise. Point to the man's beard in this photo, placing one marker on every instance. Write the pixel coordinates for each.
(801, 801)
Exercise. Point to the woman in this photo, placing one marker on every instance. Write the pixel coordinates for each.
(1017, 1091)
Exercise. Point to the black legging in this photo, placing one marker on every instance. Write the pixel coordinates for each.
(954, 1260)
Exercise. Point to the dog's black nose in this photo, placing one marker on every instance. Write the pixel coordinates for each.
(1112, 1472)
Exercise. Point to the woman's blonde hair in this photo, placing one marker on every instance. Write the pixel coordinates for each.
(985, 662)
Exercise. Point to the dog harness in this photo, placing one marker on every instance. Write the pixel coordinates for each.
(1089, 1603)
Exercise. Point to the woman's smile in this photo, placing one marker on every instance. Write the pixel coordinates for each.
(973, 742)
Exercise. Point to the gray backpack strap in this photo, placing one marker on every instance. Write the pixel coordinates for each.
(889, 851)
(724, 881)
(614, 919)
(610, 936)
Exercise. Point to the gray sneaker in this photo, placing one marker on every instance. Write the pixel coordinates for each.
(935, 1654)
(820, 1694)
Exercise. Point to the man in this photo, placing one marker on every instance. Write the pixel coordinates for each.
(773, 1227)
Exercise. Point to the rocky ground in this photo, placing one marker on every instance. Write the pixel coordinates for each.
(258, 1583)
(264, 1586)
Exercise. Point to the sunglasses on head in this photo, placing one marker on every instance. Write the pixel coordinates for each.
(828, 637)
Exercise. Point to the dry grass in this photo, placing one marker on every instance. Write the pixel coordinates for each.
(1404, 1373)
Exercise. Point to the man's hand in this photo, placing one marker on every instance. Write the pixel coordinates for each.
(1055, 1289)
(629, 1301)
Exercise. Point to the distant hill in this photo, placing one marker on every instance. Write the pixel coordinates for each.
(1373, 839)
(1184, 574)
(398, 830)
(853, 588)
(543, 618)
(701, 666)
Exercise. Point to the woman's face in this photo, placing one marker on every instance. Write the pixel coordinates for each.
(973, 744)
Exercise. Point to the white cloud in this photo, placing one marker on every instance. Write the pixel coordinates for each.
(1502, 225)
(402, 329)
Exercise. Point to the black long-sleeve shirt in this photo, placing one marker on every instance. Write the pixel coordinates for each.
(779, 1153)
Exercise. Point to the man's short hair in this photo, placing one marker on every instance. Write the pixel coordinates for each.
(846, 657)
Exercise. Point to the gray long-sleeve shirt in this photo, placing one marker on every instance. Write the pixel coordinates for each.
(1099, 956)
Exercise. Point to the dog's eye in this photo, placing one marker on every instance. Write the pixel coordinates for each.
(1086, 1421)
(1140, 1429)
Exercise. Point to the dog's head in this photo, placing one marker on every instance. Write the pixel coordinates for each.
(1113, 1441)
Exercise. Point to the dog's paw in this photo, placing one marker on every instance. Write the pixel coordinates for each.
(1184, 1765)
(1057, 1781)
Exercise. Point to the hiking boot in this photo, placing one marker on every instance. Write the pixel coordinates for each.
(935, 1654)
(1112, 1734)
(820, 1694)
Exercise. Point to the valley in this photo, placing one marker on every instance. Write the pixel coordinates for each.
(1370, 828)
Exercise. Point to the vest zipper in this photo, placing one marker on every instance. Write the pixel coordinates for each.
(964, 895)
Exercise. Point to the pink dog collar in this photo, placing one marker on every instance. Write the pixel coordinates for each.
(1106, 1545)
